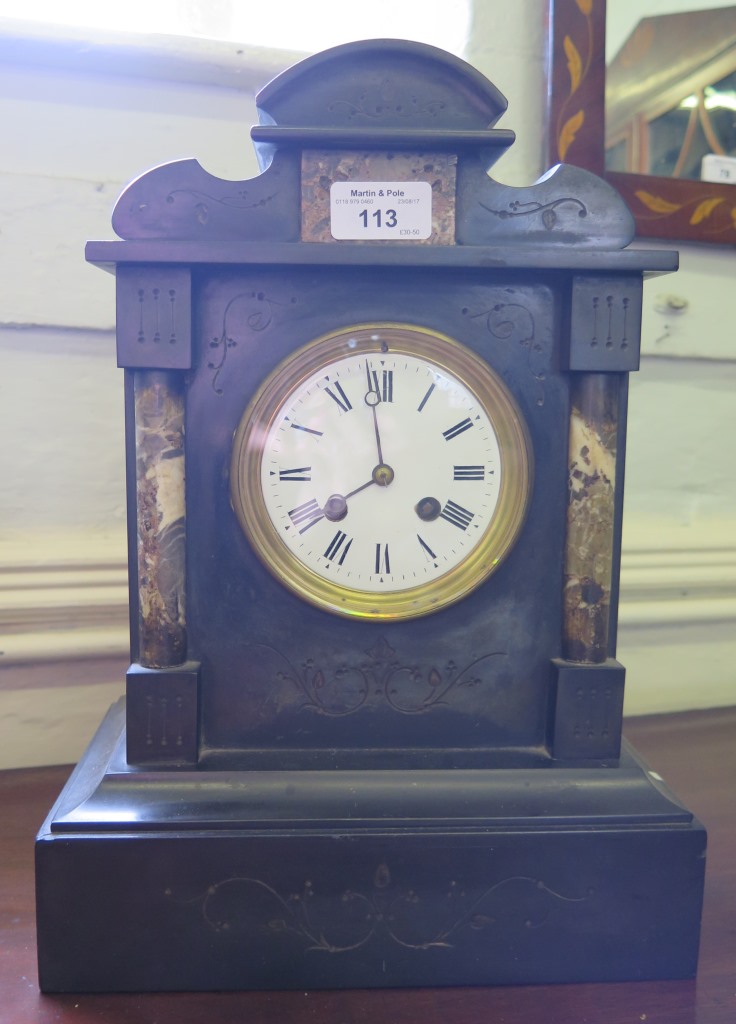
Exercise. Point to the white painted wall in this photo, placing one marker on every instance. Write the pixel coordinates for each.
(78, 123)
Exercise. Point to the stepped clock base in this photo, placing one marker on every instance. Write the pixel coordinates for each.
(184, 880)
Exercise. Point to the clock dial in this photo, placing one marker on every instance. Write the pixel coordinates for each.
(382, 471)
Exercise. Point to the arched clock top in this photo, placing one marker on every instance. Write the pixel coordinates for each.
(376, 110)
(382, 83)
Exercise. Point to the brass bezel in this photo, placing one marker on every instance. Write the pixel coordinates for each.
(502, 530)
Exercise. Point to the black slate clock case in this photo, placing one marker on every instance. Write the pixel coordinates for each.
(467, 685)
(290, 798)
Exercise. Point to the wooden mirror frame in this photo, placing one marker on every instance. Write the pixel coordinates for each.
(673, 208)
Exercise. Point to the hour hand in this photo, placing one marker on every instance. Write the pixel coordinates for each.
(336, 506)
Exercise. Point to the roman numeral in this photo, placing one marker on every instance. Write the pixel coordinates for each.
(426, 397)
(386, 388)
(426, 549)
(309, 513)
(341, 398)
(382, 560)
(457, 515)
(301, 474)
(468, 473)
(307, 430)
(459, 428)
(335, 547)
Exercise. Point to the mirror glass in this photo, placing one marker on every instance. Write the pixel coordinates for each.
(671, 89)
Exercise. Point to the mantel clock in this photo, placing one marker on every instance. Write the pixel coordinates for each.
(376, 409)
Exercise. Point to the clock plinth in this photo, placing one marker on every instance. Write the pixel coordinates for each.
(376, 436)
(364, 878)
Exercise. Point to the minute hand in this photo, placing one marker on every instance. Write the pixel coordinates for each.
(372, 399)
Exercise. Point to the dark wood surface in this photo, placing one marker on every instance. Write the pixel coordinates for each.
(696, 754)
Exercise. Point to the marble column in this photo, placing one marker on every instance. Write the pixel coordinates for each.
(159, 438)
(590, 516)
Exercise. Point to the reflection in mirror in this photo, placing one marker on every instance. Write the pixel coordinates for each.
(671, 96)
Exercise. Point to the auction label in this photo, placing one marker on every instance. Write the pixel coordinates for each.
(400, 210)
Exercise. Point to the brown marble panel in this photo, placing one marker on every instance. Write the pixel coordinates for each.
(321, 168)
(590, 516)
(159, 432)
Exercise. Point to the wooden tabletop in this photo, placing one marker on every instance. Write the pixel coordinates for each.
(696, 754)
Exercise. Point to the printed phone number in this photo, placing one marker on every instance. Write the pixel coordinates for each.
(370, 202)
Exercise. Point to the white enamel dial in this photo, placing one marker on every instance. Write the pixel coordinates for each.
(381, 471)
